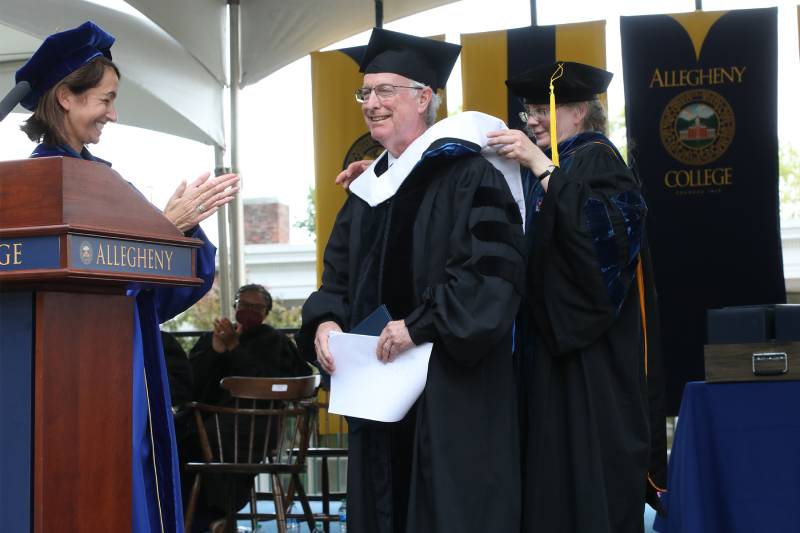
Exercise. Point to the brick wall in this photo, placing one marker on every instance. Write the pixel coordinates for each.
(265, 222)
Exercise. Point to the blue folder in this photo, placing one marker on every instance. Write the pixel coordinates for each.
(374, 323)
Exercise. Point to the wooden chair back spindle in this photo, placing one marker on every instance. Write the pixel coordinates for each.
(277, 414)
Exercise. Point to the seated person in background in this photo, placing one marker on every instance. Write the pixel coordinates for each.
(247, 348)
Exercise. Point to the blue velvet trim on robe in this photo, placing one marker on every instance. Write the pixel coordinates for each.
(633, 209)
(602, 232)
(449, 147)
(154, 499)
(155, 306)
(48, 150)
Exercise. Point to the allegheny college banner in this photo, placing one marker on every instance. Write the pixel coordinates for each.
(701, 106)
(490, 58)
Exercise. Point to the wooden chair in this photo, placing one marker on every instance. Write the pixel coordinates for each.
(265, 432)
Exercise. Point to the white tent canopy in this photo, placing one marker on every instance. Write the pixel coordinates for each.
(164, 88)
(274, 33)
(174, 54)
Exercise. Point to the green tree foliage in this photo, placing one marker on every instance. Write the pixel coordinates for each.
(789, 170)
(200, 317)
(282, 316)
(310, 222)
(618, 132)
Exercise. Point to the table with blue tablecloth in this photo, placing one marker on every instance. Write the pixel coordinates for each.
(735, 460)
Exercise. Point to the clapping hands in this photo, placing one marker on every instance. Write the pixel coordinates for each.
(196, 201)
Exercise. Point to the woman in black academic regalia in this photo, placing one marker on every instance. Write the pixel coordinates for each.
(591, 389)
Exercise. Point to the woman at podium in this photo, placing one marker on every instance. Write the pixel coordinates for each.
(72, 84)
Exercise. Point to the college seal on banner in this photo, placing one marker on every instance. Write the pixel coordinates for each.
(365, 147)
(697, 126)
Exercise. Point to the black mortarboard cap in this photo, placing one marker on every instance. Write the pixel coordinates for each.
(578, 83)
(59, 55)
(424, 60)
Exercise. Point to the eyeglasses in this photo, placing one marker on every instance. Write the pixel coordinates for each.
(247, 305)
(539, 113)
(382, 91)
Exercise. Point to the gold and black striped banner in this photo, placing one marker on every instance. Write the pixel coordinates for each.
(339, 129)
(490, 58)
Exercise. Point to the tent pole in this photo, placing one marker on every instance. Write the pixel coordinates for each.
(224, 280)
(534, 21)
(379, 13)
(236, 206)
(698, 5)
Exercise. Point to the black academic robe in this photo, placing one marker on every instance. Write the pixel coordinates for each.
(444, 254)
(263, 351)
(594, 426)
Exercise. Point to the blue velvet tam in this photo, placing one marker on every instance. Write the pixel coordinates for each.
(60, 55)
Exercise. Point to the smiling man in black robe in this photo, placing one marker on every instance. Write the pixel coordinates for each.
(433, 231)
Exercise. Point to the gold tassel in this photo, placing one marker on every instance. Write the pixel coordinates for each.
(643, 313)
(553, 129)
(642, 307)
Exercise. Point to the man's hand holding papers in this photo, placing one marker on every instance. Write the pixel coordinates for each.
(324, 356)
(394, 340)
(365, 386)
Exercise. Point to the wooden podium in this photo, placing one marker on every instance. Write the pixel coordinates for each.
(73, 237)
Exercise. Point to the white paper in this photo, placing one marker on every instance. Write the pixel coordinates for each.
(365, 387)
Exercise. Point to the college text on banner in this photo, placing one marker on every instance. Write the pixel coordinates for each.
(701, 100)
